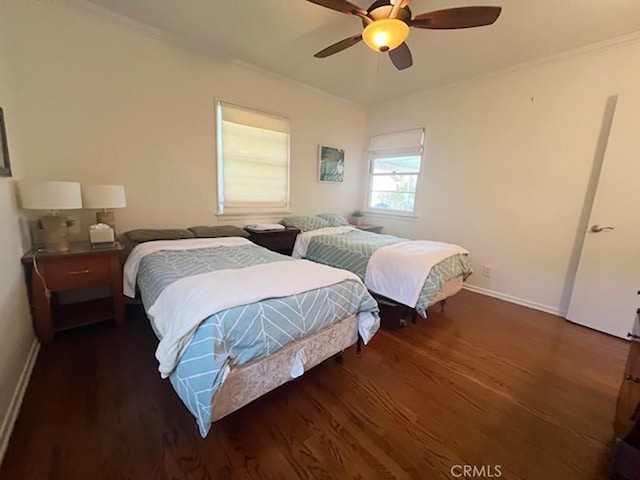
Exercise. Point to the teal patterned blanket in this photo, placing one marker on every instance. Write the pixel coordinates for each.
(244, 334)
(353, 249)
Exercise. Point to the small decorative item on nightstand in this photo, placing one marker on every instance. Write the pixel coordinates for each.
(105, 198)
(101, 236)
(357, 218)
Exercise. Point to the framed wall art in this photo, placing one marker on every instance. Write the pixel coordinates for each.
(330, 164)
(5, 166)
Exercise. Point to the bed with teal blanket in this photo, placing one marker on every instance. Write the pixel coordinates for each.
(246, 334)
(352, 250)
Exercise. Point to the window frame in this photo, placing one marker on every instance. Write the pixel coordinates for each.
(373, 155)
(249, 208)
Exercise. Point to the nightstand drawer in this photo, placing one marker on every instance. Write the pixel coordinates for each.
(76, 272)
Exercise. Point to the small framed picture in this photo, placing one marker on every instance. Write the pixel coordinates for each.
(330, 164)
(5, 166)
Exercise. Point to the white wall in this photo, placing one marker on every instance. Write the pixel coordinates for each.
(103, 102)
(16, 333)
(507, 164)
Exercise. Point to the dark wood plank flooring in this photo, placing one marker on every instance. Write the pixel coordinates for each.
(486, 383)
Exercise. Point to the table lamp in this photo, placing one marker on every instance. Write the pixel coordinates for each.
(104, 197)
(51, 196)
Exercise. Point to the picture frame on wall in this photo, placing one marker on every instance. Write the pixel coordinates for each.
(5, 165)
(330, 164)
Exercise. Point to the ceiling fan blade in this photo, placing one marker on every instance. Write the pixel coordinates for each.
(461, 17)
(341, 6)
(339, 46)
(401, 57)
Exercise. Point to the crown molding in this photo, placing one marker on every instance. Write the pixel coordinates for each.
(591, 49)
(169, 38)
(176, 41)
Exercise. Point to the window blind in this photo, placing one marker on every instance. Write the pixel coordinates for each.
(253, 160)
(406, 142)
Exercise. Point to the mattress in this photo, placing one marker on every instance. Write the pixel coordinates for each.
(353, 249)
(241, 335)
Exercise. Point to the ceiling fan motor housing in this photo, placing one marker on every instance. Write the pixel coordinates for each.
(382, 9)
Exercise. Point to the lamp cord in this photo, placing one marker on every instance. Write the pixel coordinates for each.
(47, 292)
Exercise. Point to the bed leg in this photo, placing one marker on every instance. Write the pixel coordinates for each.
(359, 345)
(339, 358)
(413, 317)
(443, 303)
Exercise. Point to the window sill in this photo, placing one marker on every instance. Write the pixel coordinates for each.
(410, 217)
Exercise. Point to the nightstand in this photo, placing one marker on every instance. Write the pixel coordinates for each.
(49, 274)
(370, 228)
(281, 241)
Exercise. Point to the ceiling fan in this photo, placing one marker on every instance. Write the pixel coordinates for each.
(386, 25)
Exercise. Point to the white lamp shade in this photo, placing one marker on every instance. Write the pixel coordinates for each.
(103, 196)
(45, 195)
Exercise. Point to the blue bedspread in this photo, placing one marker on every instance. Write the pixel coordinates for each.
(246, 333)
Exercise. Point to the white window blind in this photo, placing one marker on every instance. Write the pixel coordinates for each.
(395, 162)
(253, 161)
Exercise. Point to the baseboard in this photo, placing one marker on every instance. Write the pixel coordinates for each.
(516, 300)
(16, 399)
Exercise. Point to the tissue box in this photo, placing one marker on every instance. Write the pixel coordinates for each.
(101, 235)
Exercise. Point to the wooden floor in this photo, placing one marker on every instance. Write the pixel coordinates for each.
(487, 383)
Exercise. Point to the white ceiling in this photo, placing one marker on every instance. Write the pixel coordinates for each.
(282, 35)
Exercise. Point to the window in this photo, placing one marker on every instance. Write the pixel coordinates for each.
(395, 161)
(253, 161)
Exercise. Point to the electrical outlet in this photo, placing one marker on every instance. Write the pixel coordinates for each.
(486, 271)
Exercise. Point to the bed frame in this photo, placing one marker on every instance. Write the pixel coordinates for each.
(449, 289)
(249, 382)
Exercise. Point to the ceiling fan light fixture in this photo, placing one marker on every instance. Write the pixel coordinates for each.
(385, 34)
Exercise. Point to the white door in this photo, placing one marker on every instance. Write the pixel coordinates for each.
(605, 293)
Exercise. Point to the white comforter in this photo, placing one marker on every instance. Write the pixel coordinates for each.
(399, 271)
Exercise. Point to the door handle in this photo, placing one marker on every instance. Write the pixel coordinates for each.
(600, 228)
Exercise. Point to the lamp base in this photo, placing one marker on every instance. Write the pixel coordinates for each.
(55, 233)
(107, 217)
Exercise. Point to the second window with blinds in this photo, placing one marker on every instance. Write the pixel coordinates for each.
(253, 161)
(395, 163)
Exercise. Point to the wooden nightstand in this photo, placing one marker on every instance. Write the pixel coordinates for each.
(281, 241)
(370, 228)
(48, 274)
